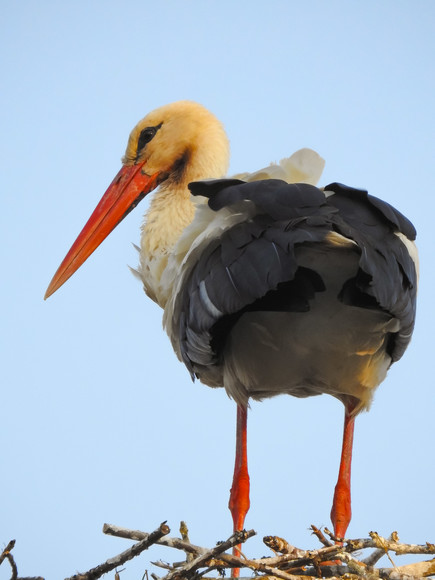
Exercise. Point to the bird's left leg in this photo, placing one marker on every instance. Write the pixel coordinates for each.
(341, 512)
(239, 495)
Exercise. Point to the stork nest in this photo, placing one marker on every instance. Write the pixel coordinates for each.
(333, 560)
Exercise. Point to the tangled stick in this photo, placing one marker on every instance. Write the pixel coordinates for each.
(331, 560)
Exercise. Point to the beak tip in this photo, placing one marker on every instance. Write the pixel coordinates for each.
(50, 290)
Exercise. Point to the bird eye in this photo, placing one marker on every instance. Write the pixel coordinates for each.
(145, 136)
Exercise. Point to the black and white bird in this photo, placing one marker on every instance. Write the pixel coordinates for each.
(269, 285)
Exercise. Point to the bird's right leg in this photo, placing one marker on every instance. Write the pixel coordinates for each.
(239, 495)
(341, 507)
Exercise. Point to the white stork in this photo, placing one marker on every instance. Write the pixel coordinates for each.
(268, 286)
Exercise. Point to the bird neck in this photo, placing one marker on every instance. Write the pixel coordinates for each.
(171, 210)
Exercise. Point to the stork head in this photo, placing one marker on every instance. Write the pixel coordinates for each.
(179, 141)
(171, 146)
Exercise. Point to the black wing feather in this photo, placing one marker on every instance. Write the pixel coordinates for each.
(252, 265)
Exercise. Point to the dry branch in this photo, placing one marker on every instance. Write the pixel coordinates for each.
(319, 534)
(380, 552)
(177, 543)
(417, 570)
(277, 544)
(6, 555)
(120, 559)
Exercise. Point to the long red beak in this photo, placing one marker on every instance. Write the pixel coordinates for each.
(124, 193)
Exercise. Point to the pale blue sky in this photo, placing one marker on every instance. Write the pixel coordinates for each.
(100, 422)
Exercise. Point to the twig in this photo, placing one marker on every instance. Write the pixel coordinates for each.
(392, 546)
(280, 545)
(184, 531)
(11, 561)
(416, 570)
(6, 555)
(185, 537)
(333, 537)
(377, 554)
(161, 564)
(126, 533)
(190, 567)
(120, 559)
(320, 536)
(7, 550)
(170, 542)
(381, 544)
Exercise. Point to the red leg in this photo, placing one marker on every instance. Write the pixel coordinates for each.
(341, 512)
(239, 495)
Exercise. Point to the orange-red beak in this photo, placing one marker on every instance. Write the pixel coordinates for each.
(124, 193)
